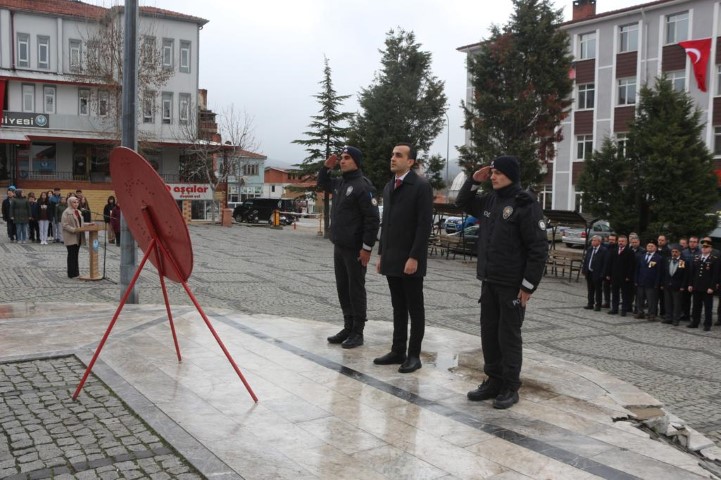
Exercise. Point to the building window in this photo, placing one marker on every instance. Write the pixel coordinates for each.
(168, 53)
(579, 202)
(677, 28)
(250, 169)
(546, 199)
(49, 98)
(586, 96)
(184, 108)
(149, 107)
(587, 46)
(23, 55)
(621, 143)
(626, 91)
(628, 38)
(167, 107)
(103, 104)
(75, 55)
(718, 80)
(717, 141)
(83, 101)
(28, 98)
(678, 80)
(147, 50)
(584, 147)
(43, 52)
(184, 57)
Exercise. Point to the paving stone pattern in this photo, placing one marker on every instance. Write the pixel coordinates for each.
(45, 434)
(290, 273)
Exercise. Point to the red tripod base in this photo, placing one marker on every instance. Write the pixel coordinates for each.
(162, 253)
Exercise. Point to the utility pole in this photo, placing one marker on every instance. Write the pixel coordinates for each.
(448, 153)
(128, 248)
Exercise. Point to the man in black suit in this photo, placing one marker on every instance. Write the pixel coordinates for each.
(619, 271)
(612, 244)
(702, 284)
(593, 265)
(403, 250)
(673, 283)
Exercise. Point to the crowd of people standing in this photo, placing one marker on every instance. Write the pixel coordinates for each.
(658, 281)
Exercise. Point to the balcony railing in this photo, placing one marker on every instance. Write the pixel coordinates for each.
(98, 177)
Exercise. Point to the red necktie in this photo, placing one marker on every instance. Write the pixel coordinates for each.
(398, 183)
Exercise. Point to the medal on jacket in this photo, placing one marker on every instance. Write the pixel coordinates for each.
(349, 190)
(507, 212)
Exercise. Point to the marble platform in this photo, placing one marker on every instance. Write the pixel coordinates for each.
(329, 413)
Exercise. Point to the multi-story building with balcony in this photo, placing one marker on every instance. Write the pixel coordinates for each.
(60, 90)
(615, 54)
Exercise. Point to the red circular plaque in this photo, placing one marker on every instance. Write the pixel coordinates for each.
(138, 189)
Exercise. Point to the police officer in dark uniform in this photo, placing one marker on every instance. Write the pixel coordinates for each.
(512, 251)
(354, 227)
(702, 284)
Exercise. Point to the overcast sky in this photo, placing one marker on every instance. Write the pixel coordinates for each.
(267, 56)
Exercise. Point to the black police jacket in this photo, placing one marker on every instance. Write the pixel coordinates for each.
(354, 215)
(512, 243)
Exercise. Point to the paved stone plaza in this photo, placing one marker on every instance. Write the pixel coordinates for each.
(289, 273)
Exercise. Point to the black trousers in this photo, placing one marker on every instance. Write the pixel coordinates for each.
(11, 229)
(350, 281)
(407, 299)
(501, 320)
(73, 268)
(705, 300)
(626, 296)
(595, 290)
(34, 227)
(672, 299)
(606, 292)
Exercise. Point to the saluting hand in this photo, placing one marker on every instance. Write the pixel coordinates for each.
(482, 174)
(331, 161)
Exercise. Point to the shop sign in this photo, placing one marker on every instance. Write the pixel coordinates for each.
(22, 119)
(190, 191)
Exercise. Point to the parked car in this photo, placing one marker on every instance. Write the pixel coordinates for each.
(255, 210)
(576, 237)
(465, 240)
(456, 224)
(560, 231)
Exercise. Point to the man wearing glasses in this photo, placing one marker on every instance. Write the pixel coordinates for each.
(702, 284)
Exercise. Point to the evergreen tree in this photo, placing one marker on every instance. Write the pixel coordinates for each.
(433, 170)
(607, 192)
(327, 134)
(405, 103)
(676, 186)
(522, 91)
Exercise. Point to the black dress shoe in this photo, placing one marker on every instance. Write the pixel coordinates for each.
(490, 388)
(623, 314)
(340, 336)
(390, 359)
(596, 308)
(506, 399)
(612, 312)
(606, 305)
(691, 325)
(410, 365)
(588, 307)
(718, 322)
(353, 341)
(706, 328)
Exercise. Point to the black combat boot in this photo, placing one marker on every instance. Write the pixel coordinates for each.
(356, 336)
(343, 334)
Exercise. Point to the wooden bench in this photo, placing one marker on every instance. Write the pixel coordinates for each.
(562, 260)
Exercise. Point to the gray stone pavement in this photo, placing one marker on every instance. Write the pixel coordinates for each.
(289, 273)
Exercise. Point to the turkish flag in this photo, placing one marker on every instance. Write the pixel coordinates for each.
(698, 52)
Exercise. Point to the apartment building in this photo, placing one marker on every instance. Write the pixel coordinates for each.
(615, 54)
(60, 74)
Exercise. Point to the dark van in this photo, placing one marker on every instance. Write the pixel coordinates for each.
(256, 210)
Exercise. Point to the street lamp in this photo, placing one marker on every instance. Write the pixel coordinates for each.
(448, 152)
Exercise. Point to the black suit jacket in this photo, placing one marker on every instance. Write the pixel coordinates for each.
(620, 267)
(677, 281)
(598, 262)
(406, 225)
(704, 275)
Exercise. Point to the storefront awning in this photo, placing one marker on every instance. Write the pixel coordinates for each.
(7, 136)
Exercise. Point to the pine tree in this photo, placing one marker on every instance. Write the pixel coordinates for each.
(405, 103)
(327, 133)
(675, 181)
(522, 91)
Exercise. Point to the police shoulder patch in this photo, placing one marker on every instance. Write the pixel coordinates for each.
(541, 224)
(507, 212)
(349, 190)
(374, 202)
